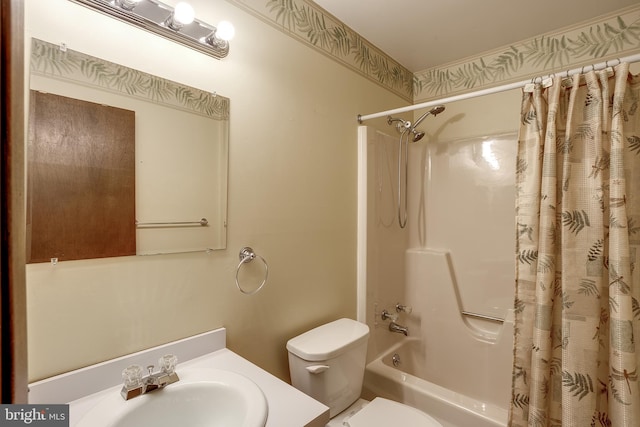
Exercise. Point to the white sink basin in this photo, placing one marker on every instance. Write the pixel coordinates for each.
(202, 398)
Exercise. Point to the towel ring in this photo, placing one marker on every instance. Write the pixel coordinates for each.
(246, 256)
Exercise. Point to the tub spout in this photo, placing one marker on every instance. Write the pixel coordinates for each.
(394, 327)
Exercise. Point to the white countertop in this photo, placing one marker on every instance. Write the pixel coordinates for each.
(288, 407)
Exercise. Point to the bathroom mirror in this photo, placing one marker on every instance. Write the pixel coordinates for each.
(181, 147)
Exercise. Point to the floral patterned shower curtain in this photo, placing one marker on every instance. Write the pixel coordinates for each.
(577, 305)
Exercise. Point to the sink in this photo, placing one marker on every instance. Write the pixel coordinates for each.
(202, 397)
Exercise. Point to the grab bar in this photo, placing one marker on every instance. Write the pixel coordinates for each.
(203, 222)
(482, 316)
(188, 251)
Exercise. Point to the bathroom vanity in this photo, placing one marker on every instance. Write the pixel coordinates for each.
(86, 389)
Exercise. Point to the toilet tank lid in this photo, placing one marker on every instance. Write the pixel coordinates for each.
(329, 340)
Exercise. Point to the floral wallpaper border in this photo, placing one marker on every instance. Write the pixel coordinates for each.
(53, 61)
(605, 39)
(306, 21)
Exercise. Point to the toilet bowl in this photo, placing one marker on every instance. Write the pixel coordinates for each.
(328, 364)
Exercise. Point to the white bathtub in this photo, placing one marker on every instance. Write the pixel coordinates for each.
(404, 384)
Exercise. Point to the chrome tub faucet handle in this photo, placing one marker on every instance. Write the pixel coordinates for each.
(385, 315)
(401, 307)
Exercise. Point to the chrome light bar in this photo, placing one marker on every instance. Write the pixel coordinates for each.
(158, 18)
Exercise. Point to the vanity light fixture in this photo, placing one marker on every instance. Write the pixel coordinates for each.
(178, 24)
(127, 4)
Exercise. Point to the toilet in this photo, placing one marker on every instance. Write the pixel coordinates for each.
(328, 364)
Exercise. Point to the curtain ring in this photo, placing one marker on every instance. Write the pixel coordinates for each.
(246, 256)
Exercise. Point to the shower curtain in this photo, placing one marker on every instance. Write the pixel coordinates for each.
(577, 300)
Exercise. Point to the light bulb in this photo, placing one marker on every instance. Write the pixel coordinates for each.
(184, 13)
(225, 30)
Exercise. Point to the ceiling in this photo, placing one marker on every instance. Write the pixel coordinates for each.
(422, 34)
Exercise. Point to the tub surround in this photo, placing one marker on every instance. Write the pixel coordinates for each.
(448, 387)
(448, 337)
(437, 374)
(84, 388)
(450, 408)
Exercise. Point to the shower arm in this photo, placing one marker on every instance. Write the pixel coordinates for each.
(411, 127)
(390, 120)
(406, 124)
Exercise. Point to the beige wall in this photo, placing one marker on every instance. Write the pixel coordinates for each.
(292, 197)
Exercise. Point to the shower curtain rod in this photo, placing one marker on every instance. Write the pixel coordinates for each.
(497, 89)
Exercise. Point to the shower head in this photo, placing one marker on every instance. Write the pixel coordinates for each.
(417, 135)
(404, 126)
(437, 110)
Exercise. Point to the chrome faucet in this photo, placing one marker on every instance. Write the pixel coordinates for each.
(394, 327)
(135, 384)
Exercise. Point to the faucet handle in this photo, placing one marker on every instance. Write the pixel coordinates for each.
(407, 309)
(168, 363)
(132, 376)
(386, 315)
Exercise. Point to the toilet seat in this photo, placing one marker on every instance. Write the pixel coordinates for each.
(384, 412)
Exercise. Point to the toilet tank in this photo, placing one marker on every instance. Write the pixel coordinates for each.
(328, 362)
